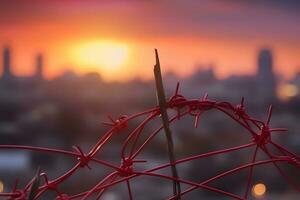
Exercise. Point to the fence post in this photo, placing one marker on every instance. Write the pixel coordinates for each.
(165, 119)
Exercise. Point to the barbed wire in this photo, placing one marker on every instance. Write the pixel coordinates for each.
(260, 131)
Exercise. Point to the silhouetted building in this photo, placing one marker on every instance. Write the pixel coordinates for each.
(39, 67)
(6, 64)
(265, 75)
(204, 76)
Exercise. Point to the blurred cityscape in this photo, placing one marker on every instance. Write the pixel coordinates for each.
(69, 109)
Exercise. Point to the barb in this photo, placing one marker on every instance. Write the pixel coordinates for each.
(35, 185)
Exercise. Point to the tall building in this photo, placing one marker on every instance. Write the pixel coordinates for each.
(6, 64)
(39, 67)
(265, 74)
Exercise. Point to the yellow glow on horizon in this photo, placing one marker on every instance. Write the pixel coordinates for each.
(287, 91)
(105, 55)
(259, 190)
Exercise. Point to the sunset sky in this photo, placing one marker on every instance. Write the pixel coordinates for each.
(117, 38)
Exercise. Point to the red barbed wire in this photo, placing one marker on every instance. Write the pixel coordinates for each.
(259, 130)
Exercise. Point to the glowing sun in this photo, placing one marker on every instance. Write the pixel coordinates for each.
(103, 54)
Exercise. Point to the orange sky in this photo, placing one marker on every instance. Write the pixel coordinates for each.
(188, 35)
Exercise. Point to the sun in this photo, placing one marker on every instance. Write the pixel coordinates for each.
(108, 55)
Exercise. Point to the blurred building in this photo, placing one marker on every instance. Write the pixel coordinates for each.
(7, 75)
(265, 75)
(259, 89)
(203, 76)
(39, 67)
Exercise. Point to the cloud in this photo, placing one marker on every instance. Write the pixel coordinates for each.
(284, 5)
(209, 18)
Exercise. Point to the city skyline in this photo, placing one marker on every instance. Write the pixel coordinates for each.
(273, 84)
(227, 35)
(39, 67)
